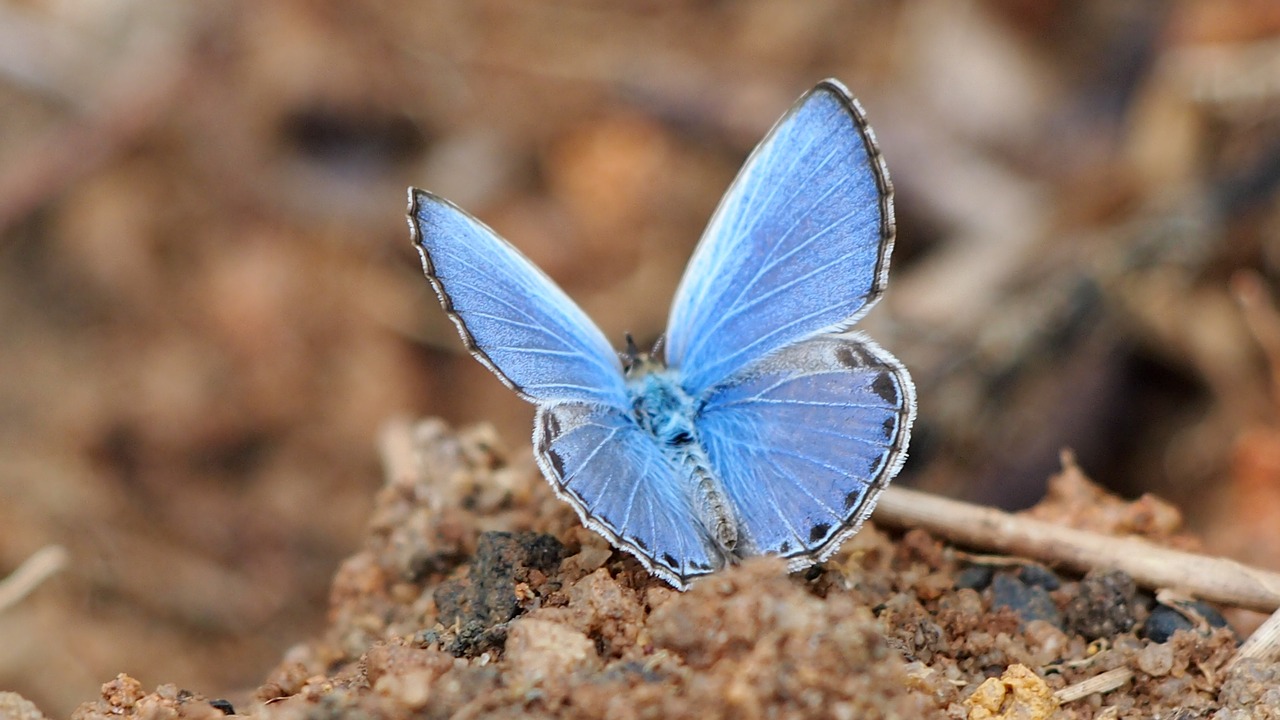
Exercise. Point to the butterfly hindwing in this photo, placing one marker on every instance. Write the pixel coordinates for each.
(623, 487)
(513, 318)
(805, 440)
(799, 245)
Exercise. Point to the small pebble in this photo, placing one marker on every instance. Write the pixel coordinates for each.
(1039, 576)
(1164, 621)
(1103, 606)
(1028, 601)
(1156, 660)
(1047, 643)
(975, 577)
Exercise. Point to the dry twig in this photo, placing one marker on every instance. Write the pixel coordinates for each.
(1100, 683)
(1263, 644)
(1211, 578)
(45, 563)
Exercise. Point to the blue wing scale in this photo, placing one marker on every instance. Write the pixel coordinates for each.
(623, 487)
(512, 317)
(799, 246)
(805, 440)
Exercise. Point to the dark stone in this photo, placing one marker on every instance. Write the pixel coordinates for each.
(473, 639)
(974, 577)
(631, 671)
(1164, 620)
(1039, 576)
(224, 706)
(484, 600)
(1030, 602)
(1104, 605)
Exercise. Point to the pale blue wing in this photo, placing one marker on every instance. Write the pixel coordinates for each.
(805, 440)
(623, 487)
(513, 318)
(799, 245)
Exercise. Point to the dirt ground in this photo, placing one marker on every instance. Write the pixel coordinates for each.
(479, 594)
(210, 309)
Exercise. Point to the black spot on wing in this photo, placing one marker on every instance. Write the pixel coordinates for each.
(852, 499)
(670, 560)
(785, 547)
(851, 356)
(818, 532)
(557, 463)
(550, 425)
(550, 430)
(640, 544)
(887, 388)
(890, 428)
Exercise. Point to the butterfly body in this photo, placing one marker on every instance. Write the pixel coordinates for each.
(665, 411)
(768, 427)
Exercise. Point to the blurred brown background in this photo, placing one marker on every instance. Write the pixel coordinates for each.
(209, 303)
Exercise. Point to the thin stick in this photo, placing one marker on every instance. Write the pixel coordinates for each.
(45, 563)
(1098, 684)
(1263, 644)
(1211, 578)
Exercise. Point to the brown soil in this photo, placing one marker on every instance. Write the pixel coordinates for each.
(479, 595)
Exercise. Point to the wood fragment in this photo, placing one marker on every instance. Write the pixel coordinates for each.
(45, 563)
(1101, 683)
(1263, 644)
(1154, 567)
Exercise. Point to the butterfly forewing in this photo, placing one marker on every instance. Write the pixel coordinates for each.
(805, 440)
(513, 318)
(624, 487)
(799, 245)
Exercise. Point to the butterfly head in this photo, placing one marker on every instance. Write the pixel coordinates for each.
(637, 363)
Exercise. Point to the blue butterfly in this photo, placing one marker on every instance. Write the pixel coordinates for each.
(768, 429)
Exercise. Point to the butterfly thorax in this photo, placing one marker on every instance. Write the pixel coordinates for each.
(660, 405)
(663, 409)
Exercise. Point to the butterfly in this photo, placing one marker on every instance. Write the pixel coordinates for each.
(764, 426)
